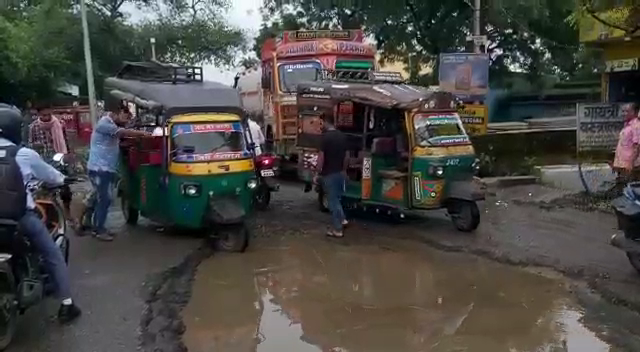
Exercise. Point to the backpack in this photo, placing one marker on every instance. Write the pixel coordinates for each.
(13, 193)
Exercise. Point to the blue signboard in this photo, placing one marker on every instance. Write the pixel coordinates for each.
(465, 75)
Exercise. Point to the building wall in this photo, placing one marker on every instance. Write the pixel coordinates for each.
(612, 41)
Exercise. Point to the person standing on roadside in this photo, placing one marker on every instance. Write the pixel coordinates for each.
(628, 149)
(332, 165)
(104, 153)
(48, 136)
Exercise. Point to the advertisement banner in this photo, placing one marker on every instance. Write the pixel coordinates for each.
(465, 75)
(474, 118)
(598, 126)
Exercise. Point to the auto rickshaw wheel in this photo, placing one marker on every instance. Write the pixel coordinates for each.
(233, 238)
(465, 215)
(130, 213)
(323, 201)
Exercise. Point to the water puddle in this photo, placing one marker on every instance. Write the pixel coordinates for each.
(314, 295)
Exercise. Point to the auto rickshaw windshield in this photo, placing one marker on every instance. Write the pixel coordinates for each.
(207, 141)
(439, 129)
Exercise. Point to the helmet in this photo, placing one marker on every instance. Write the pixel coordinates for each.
(11, 123)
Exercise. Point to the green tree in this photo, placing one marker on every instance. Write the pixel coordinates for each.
(41, 41)
(530, 36)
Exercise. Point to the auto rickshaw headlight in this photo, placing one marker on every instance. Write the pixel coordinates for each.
(476, 165)
(190, 189)
(252, 183)
(436, 171)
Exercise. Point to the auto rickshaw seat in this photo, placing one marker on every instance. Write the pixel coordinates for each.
(145, 151)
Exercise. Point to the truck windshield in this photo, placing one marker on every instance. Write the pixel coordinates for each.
(201, 142)
(292, 74)
(439, 129)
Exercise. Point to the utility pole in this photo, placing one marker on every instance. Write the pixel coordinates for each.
(153, 48)
(476, 24)
(89, 64)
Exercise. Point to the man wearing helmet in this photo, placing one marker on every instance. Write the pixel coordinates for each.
(31, 167)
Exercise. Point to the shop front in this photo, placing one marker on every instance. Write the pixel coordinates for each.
(621, 79)
(620, 53)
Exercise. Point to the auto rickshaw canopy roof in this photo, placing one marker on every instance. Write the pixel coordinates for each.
(175, 89)
(381, 89)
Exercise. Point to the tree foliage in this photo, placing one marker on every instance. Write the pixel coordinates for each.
(531, 36)
(41, 41)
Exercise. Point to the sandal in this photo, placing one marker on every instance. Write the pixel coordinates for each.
(335, 234)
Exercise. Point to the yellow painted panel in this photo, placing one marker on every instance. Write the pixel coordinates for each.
(622, 50)
(444, 151)
(205, 118)
(211, 167)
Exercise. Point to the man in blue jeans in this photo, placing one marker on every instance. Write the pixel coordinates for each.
(13, 185)
(103, 165)
(332, 165)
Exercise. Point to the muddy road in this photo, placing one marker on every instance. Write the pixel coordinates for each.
(353, 290)
(419, 285)
(311, 294)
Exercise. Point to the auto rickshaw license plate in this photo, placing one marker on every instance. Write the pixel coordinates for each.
(267, 173)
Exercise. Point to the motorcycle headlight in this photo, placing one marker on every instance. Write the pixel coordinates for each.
(252, 183)
(191, 190)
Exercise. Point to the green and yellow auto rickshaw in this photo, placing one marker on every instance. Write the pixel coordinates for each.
(196, 171)
(408, 149)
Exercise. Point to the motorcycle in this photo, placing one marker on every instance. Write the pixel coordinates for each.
(266, 170)
(24, 281)
(627, 210)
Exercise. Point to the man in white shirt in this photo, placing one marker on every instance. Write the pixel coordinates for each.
(256, 135)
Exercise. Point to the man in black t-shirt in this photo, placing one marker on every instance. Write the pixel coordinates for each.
(332, 164)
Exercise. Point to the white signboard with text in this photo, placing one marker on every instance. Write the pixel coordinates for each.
(598, 126)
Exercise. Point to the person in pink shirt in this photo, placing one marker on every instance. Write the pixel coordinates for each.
(627, 151)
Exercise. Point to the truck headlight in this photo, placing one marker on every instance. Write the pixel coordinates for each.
(252, 183)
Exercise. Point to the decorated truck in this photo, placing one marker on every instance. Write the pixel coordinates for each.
(268, 91)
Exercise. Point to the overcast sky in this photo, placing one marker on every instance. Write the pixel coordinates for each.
(244, 14)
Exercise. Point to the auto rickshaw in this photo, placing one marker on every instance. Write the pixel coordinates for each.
(408, 149)
(197, 171)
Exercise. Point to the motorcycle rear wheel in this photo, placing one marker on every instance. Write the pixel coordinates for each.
(8, 307)
(262, 198)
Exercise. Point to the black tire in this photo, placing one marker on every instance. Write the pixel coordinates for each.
(233, 238)
(323, 202)
(8, 306)
(262, 198)
(634, 259)
(130, 213)
(465, 215)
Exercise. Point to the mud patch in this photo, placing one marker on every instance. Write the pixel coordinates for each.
(579, 201)
(161, 326)
(376, 294)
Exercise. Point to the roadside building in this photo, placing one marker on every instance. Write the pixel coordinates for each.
(621, 51)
